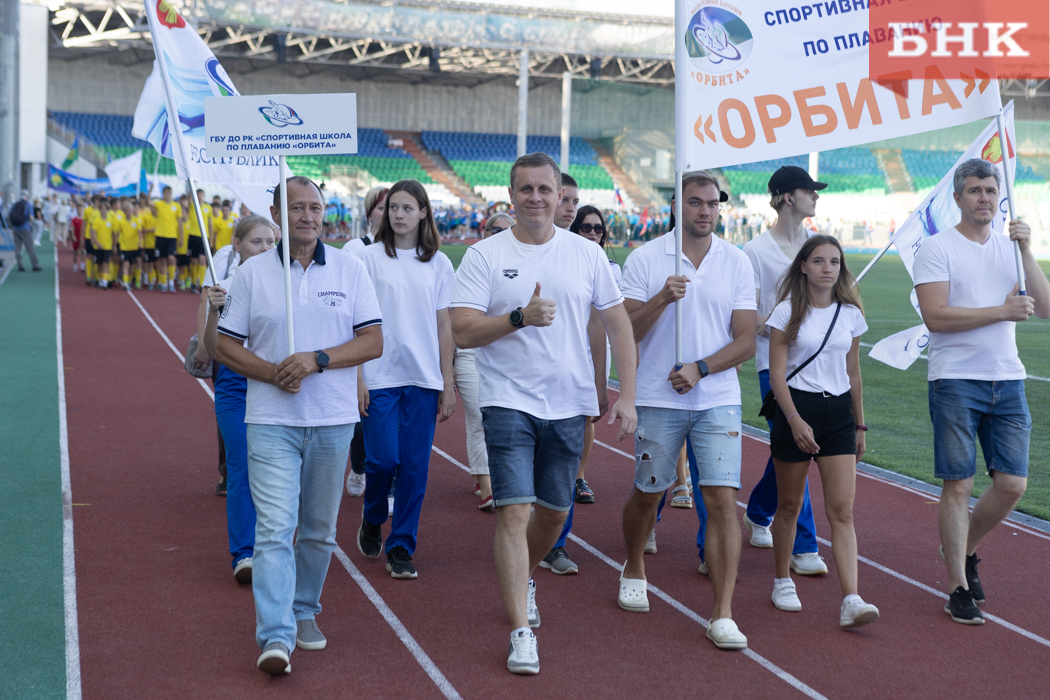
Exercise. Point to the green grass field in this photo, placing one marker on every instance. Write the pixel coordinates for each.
(895, 401)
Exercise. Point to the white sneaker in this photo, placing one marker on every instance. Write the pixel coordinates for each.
(389, 506)
(523, 656)
(785, 597)
(808, 564)
(243, 571)
(531, 611)
(650, 544)
(857, 613)
(355, 484)
(703, 568)
(761, 537)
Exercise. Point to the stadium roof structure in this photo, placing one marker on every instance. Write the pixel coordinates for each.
(409, 40)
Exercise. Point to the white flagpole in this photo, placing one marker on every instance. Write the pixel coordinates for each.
(1004, 149)
(878, 256)
(287, 255)
(678, 266)
(156, 174)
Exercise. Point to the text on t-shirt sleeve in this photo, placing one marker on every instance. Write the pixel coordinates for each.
(234, 319)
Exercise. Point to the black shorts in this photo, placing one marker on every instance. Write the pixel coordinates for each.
(195, 247)
(89, 247)
(101, 256)
(130, 256)
(150, 254)
(182, 260)
(830, 417)
(166, 247)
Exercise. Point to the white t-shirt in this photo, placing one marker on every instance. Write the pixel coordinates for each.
(356, 246)
(223, 265)
(410, 293)
(770, 263)
(545, 372)
(331, 299)
(723, 284)
(828, 371)
(979, 276)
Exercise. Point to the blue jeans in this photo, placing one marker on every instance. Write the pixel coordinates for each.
(399, 432)
(964, 411)
(230, 390)
(296, 477)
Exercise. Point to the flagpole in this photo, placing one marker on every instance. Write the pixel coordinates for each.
(678, 227)
(874, 260)
(1004, 150)
(286, 249)
(156, 173)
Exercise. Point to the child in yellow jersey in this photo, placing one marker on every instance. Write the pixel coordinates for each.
(90, 213)
(168, 214)
(195, 247)
(148, 225)
(100, 233)
(116, 215)
(222, 226)
(130, 242)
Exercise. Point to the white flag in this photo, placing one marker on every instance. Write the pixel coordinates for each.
(900, 350)
(125, 171)
(184, 73)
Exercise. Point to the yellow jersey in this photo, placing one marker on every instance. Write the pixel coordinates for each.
(147, 223)
(89, 214)
(102, 231)
(191, 224)
(167, 218)
(222, 230)
(129, 234)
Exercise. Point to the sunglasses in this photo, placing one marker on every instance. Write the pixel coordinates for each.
(497, 229)
(587, 228)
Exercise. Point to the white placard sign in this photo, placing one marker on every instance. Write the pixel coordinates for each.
(291, 125)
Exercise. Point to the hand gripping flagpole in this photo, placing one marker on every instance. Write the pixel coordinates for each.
(287, 256)
(1004, 150)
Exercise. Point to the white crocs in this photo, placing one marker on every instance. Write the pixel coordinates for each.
(633, 596)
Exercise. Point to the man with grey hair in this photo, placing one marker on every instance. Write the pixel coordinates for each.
(966, 281)
(20, 216)
(523, 298)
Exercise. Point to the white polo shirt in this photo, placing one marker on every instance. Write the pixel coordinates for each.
(410, 294)
(331, 299)
(724, 283)
(356, 246)
(545, 372)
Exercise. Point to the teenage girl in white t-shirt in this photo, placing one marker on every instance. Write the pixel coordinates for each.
(820, 412)
(412, 381)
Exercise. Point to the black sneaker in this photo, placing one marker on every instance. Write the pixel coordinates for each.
(584, 494)
(370, 539)
(972, 580)
(961, 608)
(399, 563)
(220, 488)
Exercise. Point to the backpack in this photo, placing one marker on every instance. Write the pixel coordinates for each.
(17, 216)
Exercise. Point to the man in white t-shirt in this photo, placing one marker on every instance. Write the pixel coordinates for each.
(300, 411)
(966, 281)
(700, 401)
(523, 298)
(794, 198)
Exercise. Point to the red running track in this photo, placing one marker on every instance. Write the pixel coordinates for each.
(160, 615)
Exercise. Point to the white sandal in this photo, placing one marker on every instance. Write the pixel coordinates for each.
(633, 596)
(685, 501)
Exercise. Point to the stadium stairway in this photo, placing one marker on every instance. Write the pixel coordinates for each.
(892, 167)
(433, 166)
(621, 179)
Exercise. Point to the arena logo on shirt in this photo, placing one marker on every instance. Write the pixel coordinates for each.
(510, 273)
(331, 298)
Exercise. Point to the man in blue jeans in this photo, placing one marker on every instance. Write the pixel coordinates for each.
(966, 281)
(523, 298)
(300, 413)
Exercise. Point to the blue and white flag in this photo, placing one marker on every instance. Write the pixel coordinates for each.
(939, 212)
(184, 73)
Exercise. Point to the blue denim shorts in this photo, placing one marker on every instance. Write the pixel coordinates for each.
(996, 413)
(716, 439)
(532, 460)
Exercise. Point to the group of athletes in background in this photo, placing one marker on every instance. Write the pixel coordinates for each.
(147, 243)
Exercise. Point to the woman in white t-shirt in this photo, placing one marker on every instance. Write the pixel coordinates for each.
(467, 383)
(412, 381)
(820, 412)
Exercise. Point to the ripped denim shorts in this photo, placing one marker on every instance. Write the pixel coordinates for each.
(715, 434)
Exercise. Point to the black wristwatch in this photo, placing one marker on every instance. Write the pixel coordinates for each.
(517, 318)
(704, 371)
(322, 360)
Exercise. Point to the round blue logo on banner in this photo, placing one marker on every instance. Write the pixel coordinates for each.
(718, 41)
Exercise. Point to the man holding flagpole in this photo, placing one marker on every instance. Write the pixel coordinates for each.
(967, 285)
(300, 411)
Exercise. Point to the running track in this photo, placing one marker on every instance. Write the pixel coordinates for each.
(159, 615)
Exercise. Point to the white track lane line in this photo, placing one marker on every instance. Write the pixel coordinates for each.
(399, 629)
(69, 573)
(994, 618)
(207, 389)
(373, 596)
(757, 658)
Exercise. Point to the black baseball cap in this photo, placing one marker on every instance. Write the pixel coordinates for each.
(790, 178)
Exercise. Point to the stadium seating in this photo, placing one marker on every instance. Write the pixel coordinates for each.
(846, 170)
(928, 167)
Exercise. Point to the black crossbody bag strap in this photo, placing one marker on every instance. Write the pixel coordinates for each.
(827, 335)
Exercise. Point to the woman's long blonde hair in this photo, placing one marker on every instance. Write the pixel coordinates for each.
(794, 285)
